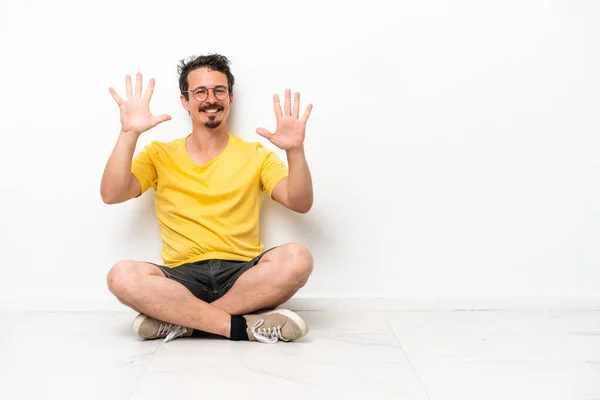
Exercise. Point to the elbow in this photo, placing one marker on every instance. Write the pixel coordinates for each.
(303, 208)
(107, 200)
(107, 197)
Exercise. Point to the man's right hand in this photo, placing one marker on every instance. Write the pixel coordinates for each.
(135, 111)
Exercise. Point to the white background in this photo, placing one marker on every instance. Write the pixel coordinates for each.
(453, 145)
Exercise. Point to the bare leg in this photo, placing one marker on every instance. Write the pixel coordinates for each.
(274, 280)
(145, 288)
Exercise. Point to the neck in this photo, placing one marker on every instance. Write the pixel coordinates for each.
(204, 140)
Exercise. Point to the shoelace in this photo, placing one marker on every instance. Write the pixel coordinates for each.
(266, 335)
(172, 331)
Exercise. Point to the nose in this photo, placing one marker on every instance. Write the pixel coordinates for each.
(211, 98)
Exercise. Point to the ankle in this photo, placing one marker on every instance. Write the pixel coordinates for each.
(238, 328)
(227, 328)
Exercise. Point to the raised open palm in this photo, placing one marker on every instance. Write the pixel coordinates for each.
(135, 111)
(291, 129)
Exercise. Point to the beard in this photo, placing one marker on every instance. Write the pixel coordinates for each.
(212, 122)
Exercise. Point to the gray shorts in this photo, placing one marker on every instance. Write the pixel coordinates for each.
(209, 280)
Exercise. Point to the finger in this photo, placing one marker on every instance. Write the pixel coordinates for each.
(296, 104)
(115, 96)
(288, 102)
(277, 106)
(157, 119)
(150, 90)
(138, 85)
(264, 133)
(128, 87)
(307, 113)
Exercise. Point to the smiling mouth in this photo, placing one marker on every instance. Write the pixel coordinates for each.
(211, 110)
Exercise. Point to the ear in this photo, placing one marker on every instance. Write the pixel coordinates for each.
(230, 99)
(185, 103)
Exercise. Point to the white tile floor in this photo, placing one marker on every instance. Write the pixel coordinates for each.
(347, 355)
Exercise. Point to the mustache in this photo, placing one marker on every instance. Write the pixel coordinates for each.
(210, 106)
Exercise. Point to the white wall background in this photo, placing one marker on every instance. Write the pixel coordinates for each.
(454, 144)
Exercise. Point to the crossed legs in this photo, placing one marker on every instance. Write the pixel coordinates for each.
(274, 280)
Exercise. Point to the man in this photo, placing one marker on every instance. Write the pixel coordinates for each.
(208, 190)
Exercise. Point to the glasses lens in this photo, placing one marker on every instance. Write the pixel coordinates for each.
(200, 94)
(221, 93)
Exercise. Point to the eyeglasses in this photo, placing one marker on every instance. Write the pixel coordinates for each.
(201, 93)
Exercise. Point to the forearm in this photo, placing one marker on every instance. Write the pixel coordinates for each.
(299, 184)
(117, 172)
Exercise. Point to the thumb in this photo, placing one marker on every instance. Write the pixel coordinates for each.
(157, 119)
(264, 133)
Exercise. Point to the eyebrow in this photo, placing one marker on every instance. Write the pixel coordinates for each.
(204, 87)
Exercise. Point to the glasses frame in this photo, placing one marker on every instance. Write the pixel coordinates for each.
(208, 93)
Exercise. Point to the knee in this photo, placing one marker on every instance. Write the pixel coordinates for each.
(300, 263)
(121, 278)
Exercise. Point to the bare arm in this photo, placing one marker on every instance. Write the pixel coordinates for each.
(296, 191)
(118, 183)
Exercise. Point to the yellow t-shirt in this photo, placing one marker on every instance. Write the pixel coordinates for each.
(211, 211)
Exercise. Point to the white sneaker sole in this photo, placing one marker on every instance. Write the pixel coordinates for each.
(293, 316)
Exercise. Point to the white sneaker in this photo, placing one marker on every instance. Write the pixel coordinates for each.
(272, 326)
(149, 328)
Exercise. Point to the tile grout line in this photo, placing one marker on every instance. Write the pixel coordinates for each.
(407, 357)
(144, 373)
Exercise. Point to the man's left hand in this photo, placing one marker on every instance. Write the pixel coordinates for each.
(291, 129)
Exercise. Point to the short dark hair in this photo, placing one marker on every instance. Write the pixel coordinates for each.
(216, 62)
